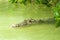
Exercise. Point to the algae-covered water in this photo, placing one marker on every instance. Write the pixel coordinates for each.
(9, 14)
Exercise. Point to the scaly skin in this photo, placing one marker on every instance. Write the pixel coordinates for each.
(33, 21)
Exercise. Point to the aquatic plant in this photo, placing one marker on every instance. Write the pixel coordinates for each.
(57, 14)
(46, 2)
(13, 1)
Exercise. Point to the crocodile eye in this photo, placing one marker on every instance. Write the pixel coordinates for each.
(30, 21)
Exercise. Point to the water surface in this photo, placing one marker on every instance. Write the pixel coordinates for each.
(10, 15)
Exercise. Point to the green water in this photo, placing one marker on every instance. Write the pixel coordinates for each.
(11, 15)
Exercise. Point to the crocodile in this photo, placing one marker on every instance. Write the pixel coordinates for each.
(33, 21)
